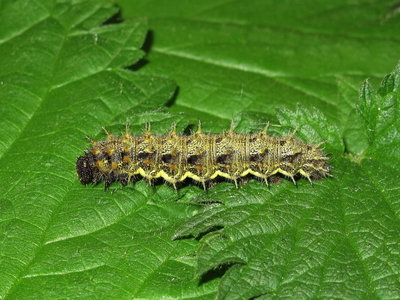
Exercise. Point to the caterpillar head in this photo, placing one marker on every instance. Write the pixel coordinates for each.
(84, 168)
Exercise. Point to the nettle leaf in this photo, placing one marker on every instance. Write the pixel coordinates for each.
(61, 78)
(231, 59)
(234, 56)
(338, 238)
(312, 126)
(64, 73)
(380, 113)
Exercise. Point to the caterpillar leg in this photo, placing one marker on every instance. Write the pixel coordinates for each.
(236, 183)
(203, 183)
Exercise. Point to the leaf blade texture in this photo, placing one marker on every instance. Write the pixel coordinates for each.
(67, 69)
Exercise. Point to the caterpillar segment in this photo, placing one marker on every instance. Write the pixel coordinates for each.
(199, 156)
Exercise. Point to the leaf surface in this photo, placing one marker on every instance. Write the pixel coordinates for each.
(61, 79)
(337, 238)
(233, 56)
(63, 76)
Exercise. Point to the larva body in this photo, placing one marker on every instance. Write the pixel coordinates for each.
(199, 156)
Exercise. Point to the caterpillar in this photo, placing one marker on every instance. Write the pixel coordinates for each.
(199, 156)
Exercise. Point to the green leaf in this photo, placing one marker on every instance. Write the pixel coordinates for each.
(64, 75)
(234, 56)
(61, 78)
(380, 113)
(338, 238)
